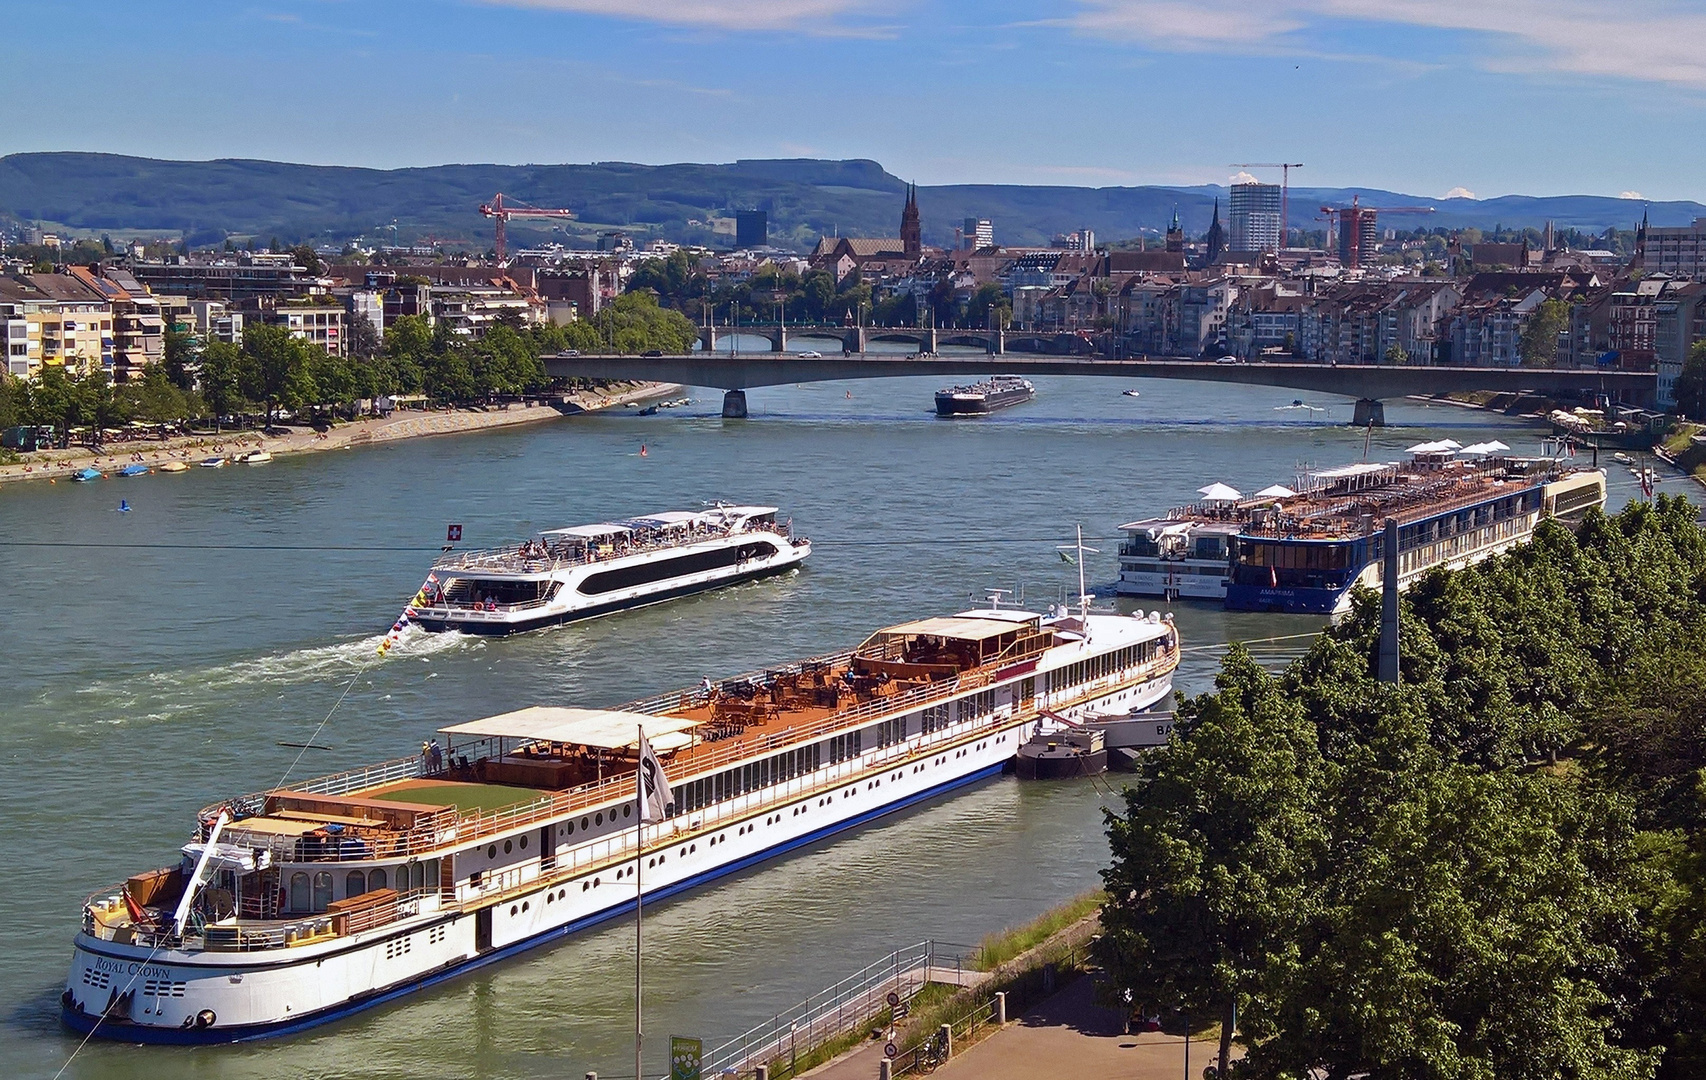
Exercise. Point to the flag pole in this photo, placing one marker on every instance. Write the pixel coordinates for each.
(639, 895)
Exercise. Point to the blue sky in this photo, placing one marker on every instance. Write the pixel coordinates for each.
(1492, 96)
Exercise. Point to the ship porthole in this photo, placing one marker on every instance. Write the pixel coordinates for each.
(512, 909)
(583, 823)
(491, 851)
(508, 847)
(524, 843)
(627, 811)
(571, 828)
(599, 818)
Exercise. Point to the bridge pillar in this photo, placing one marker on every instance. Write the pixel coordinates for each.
(998, 343)
(734, 405)
(931, 343)
(854, 339)
(779, 340)
(708, 338)
(1369, 413)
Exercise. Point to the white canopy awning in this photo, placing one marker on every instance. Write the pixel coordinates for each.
(1218, 492)
(1275, 491)
(609, 528)
(232, 857)
(1492, 447)
(1443, 446)
(604, 729)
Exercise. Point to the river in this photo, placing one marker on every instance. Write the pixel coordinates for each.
(143, 682)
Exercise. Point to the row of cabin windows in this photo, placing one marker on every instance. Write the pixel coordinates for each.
(979, 704)
(731, 783)
(1097, 667)
(314, 894)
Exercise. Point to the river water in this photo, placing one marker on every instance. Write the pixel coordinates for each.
(143, 682)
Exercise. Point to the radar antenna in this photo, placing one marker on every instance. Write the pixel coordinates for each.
(1083, 591)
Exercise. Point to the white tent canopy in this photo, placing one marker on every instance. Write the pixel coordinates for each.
(603, 729)
(1443, 446)
(1492, 447)
(1218, 492)
(1275, 491)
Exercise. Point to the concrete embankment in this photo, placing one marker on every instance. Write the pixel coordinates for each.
(404, 424)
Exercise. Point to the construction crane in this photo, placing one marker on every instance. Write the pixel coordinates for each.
(1285, 186)
(1355, 219)
(500, 212)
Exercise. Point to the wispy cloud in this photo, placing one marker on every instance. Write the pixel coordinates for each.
(827, 18)
(1655, 41)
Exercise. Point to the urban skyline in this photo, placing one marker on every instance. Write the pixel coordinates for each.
(1352, 87)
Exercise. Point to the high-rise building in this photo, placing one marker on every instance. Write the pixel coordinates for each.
(1255, 217)
(752, 229)
(979, 233)
(1679, 252)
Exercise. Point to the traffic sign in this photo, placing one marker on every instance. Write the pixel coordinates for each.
(890, 1050)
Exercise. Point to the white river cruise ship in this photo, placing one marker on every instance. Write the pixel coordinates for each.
(295, 906)
(587, 570)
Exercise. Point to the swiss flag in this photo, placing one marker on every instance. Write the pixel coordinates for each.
(453, 534)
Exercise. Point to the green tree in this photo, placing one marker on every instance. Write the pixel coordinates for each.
(362, 340)
(1395, 354)
(1539, 345)
(1214, 852)
(181, 355)
(14, 401)
(222, 378)
(1690, 389)
(278, 373)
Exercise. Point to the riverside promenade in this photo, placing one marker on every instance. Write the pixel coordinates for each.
(1067, 1035)
(403, 424)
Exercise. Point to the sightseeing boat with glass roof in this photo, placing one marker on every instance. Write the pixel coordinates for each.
(297, 905)
(1455, 505)
(586, 570)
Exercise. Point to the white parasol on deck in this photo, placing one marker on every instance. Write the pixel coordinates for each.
(1218, 492)
(1275, 491)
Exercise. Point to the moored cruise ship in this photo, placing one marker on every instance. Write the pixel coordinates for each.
(1185, 555)
(587, 570)
(1454, 506)
(294, 906)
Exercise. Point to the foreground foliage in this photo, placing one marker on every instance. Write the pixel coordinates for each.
(1494, 869)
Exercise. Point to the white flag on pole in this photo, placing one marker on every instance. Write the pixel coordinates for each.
(655, 795)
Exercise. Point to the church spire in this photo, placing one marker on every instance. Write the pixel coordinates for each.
(911, 235)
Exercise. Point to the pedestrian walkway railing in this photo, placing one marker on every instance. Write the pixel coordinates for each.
(855, 1003)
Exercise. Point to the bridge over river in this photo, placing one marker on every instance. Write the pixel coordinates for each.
(1367, 383)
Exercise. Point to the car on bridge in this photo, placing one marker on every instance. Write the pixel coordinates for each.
(809, 354)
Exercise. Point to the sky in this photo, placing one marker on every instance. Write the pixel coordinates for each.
(1431, 97)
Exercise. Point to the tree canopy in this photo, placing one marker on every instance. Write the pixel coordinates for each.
(1496, 868)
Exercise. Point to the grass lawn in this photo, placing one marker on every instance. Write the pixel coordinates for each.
(465, 797)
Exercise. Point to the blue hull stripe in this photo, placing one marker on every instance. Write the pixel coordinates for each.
(124, 1032)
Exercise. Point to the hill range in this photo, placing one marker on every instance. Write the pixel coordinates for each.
(210, 201)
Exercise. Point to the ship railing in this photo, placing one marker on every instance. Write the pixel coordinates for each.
(852, 1004)
(446, 827)
(238, 936)
(1426, 501)
(448, 607)
(510, 558)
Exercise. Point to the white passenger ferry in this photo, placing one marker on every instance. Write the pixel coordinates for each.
(295, 906)
(587, 570)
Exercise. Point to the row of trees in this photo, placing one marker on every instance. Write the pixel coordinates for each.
(1496, 868)
(813, 297)
(272, 370)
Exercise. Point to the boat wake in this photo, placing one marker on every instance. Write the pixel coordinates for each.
(165, 694)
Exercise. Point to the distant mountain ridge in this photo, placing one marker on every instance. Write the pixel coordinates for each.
(806, 198)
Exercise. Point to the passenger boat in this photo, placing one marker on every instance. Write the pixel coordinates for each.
(212, 463)
(134, 470)
(1454, 505)
(254, 457)
(291, 907)
(587, 570)
(1187, 554)
(999, 392)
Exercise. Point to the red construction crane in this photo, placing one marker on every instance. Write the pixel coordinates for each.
(500, 212)
(1285, 186)
(1355, 219)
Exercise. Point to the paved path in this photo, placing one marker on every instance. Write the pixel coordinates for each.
(1069, 1035)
